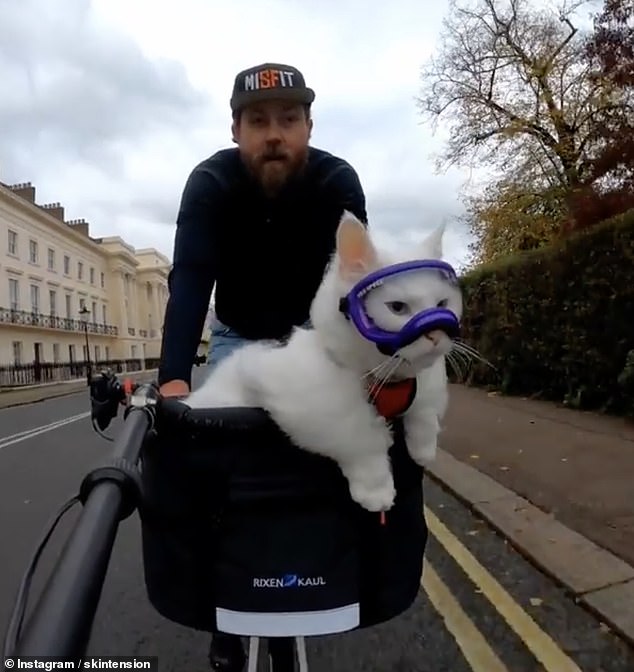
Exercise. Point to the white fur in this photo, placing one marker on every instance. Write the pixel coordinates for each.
(314, 387)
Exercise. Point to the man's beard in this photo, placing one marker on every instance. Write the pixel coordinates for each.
(274, 169)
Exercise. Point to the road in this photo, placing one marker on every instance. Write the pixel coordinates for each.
(481, 607)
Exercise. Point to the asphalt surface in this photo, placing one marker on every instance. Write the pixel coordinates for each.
(481, 606)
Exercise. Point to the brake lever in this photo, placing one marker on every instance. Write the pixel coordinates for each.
(106, 393)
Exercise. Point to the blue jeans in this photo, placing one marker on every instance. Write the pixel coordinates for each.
(224, 340)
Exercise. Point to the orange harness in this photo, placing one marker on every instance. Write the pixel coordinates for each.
(393, 399)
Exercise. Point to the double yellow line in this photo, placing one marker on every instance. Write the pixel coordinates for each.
(476, 650)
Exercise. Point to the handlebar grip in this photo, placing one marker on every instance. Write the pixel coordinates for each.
(216, 421)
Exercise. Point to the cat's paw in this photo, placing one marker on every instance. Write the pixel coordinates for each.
(423, 454)
(374, 499)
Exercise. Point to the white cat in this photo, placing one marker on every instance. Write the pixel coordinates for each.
(316, 386)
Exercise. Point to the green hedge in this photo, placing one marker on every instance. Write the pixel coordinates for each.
(558, 322)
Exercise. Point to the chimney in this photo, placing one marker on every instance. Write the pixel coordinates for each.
(54, 209)
(24, 190)
(80, 225)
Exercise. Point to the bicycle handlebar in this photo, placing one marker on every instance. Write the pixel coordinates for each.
(62, 621)
(107, 394)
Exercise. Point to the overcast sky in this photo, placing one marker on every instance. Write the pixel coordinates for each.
(106, 106)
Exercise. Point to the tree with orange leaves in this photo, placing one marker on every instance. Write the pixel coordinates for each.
(608, 188)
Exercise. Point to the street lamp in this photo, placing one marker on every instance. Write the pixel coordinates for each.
(83, 314)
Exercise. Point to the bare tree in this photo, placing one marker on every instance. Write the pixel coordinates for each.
(513, 83)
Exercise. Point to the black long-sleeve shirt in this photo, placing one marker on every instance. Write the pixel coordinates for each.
(266, 257)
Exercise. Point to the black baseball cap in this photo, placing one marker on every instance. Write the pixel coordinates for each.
(270, 81)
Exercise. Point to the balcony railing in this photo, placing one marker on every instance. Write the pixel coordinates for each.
(34, 373)
(24, 318)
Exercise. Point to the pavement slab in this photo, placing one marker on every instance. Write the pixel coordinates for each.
(596, 578)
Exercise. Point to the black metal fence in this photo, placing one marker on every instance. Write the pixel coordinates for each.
(37, 373)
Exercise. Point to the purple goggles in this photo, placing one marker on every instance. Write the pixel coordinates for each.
(389, 342)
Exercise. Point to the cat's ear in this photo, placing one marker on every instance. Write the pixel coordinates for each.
(357, 255)
(432, 245)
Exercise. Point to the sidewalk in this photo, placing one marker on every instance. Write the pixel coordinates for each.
(558, 483)
(30, 394)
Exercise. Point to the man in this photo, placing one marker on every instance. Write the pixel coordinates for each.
(258, 222)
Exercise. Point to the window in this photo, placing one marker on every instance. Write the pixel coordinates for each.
(52, 298)
(93, 315)
(14, 294)
(33, 251)
(35, 299)
(103, 280)
(103, 314)
(92, 276)
(17, 352)
(69, 310)
(82, 304)
(80, 270)
(51, 259)
(55, 353)
(97, 353)
(13, 243)
(66, 265)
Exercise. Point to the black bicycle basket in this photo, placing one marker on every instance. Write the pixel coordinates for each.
(257, 537)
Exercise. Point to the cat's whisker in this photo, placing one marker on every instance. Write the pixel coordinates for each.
(457, 351)
(459, 354)
(466, 347)
(377, 371)
(377, 380)
(471, 353)
(396, 362)
(462, 358)
(377, 368)
(463, 345)
(467, 359)
(455, 366)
